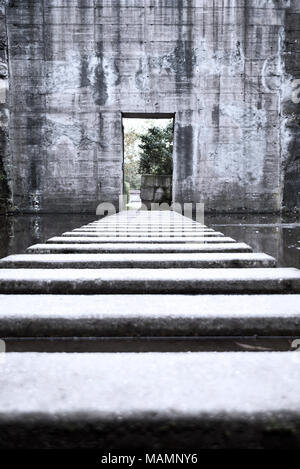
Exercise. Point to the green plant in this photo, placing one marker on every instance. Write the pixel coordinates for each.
(157, 151)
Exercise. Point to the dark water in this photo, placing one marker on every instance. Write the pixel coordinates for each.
(20, 232)
(270, 234)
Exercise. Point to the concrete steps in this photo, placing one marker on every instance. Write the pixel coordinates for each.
(197, 400)
(162, 247)
(151, 234)
(150, 281)
(136, 239)
(163, 316)
(140, 261)
(143, 282)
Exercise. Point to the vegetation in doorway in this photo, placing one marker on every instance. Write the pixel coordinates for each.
(132, 158)
(157, 151)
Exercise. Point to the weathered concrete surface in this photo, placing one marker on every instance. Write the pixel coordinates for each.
(5, 168)
(201, 400)
(76, 65)
(137, 247)
(140, 261)
(150, 281)
(136, 316)
(144, 240)
(141, 230)
(291, 108)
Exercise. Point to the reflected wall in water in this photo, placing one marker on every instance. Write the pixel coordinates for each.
(19, 232)
(265, 233)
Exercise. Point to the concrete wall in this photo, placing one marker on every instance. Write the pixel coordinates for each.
(76, 65)
(4, 114)
(291, 108)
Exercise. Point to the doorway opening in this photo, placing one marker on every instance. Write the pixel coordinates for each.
(148, 158)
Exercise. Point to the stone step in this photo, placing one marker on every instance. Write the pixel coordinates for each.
(143, 229)
(138, 248)
(143, 234)
(141, 261)
(142, 223)
(202, 400)
(154, 221)
(150, 281)
(159, 316)
(111, 239)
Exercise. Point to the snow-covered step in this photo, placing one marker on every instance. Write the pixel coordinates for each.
(140, 224)
(147, 227)
(141, 261)
(208, 400)
(143, 230)
(143, 234)
(150, 281)
(141, 316)
(146, 239)
(138, 247)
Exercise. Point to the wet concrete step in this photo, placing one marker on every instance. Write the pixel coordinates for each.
(159, 316)
(87, 400)
(147, 239)
(138, 248)
(150, 281)
(141, 261)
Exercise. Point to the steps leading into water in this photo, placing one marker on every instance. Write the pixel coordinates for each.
(148, 282)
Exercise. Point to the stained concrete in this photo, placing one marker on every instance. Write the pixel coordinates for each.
(225, 68)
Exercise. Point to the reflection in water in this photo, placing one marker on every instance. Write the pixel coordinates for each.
(265, 233)
(19, 232)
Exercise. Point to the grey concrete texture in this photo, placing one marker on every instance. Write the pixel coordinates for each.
(144, 234)
(145, 239)
(225, 69)
(161, 316)
(142, 229)
(140, 261)
(150, 281)
(198, 400)
(138, 247)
